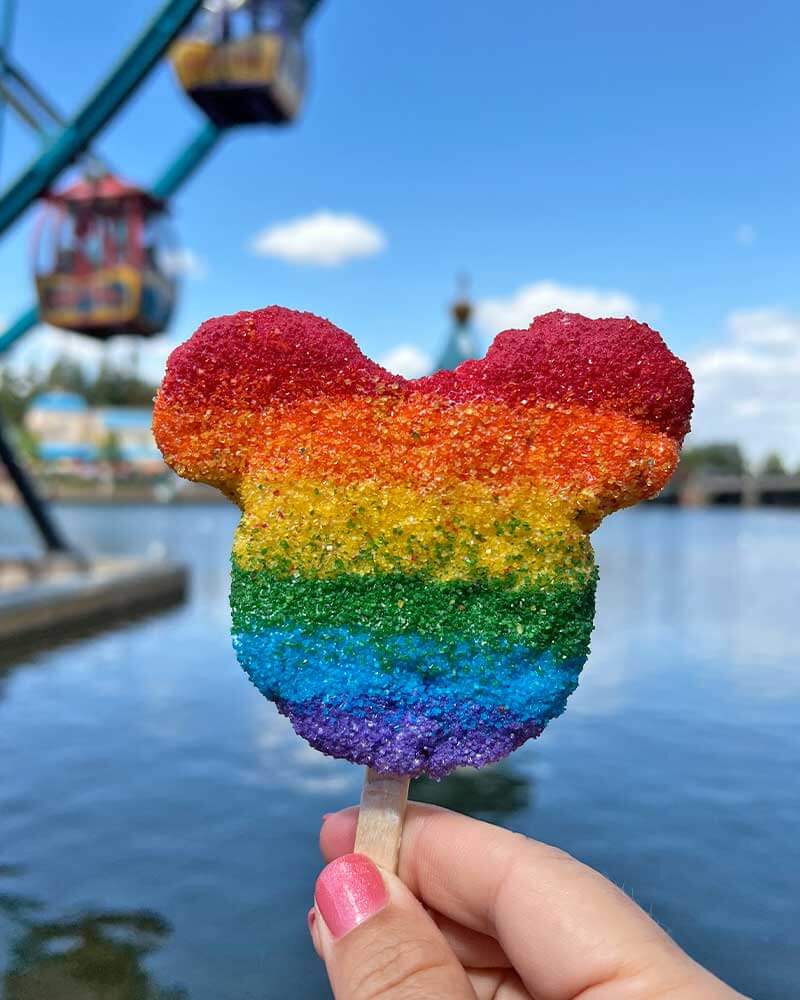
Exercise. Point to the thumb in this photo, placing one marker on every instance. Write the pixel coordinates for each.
(376, 939)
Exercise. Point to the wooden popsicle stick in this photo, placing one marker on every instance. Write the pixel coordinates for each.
(380, 818)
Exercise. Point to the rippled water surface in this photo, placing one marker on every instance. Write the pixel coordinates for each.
(158, 819)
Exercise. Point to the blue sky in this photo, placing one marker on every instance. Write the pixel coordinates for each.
(609, 157)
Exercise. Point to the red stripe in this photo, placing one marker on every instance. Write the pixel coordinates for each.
(279, 355)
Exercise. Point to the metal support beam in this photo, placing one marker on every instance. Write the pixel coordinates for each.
(6, 31)
(35, 94)
(39, 113)
(192, 156)
(22, 324)
(36, 507)
(118, 87)
(27, 114)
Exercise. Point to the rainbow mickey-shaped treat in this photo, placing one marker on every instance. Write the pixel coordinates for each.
(413, 581)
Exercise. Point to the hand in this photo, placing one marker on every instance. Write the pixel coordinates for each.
(484, 913)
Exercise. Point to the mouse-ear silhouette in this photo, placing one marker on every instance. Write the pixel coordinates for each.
(412, 580)
(604, 365)
(607, 406)
(207, 411)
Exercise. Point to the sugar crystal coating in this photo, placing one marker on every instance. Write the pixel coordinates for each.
(412, 577)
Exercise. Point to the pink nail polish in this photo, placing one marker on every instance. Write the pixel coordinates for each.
(349, 891)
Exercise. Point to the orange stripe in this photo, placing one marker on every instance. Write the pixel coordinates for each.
(422, 441)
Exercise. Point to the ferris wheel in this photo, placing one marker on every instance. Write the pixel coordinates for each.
(101, 262)
(240, 61)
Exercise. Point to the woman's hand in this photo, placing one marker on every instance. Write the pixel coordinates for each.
(485, 913)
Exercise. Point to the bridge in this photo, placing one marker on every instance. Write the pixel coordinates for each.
(711, 489)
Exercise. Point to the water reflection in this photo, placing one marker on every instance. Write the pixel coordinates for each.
(494, 793)
(12, 905)
(27, 651)
(68, 633)
(140, 768)
(91, 956)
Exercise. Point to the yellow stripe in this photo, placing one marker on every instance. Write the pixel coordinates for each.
(322, 529)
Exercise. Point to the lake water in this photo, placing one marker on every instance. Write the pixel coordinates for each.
(159, 820)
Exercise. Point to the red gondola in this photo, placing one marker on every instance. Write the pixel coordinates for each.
(101, 266)
(245, 62)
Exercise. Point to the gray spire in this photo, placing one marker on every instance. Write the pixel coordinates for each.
(462, 342)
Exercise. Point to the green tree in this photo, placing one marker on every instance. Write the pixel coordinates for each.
(67, 374)
(110, 385)
(110, 450)
(16, 391)
(118, 385)
(723, 458)
(26, 442)
(773, 465)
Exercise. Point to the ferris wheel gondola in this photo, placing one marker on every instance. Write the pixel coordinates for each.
(244, 63)
(103, 260)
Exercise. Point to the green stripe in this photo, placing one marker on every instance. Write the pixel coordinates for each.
(558, 617)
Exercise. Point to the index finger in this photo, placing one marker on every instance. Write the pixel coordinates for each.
(563, 926)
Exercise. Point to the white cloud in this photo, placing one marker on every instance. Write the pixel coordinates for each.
(183, 263)
(747, 385)
(408, 360)
(768, 327)
(745, 234)
(748, 408)
(40, 348)
(518, 309)
(324, 238)
(153, 356)
(43, 345)
(218, 5)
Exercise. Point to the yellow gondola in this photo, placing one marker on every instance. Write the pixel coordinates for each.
(246, 63)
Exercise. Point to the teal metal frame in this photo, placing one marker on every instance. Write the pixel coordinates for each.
(73, 140)
(101, 107)
(6, 31)
(176, 174)
(22, 324)
(187, 161)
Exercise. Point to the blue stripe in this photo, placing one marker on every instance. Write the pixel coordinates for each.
(347, 670)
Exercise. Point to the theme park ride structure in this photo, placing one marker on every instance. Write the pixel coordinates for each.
(74, 137)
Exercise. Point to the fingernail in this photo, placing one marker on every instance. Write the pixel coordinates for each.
(349, 891)
(326, 816)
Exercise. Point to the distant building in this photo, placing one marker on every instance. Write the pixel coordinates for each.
(462, 342)
(67, 430)
(63, 426)
(131, 430)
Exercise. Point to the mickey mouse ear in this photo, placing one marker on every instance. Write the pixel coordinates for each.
(607, 406)
(268, 356)
(217, 384)
(615, 365)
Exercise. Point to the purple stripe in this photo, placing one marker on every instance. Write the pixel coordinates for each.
(406, 742)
